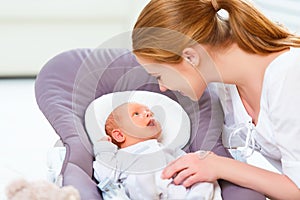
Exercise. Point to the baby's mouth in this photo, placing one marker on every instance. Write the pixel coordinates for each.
(151, 122)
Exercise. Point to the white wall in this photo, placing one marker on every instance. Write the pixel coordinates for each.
(33, 31)
(286, 12)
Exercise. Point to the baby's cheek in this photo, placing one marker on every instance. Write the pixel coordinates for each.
(140, 122)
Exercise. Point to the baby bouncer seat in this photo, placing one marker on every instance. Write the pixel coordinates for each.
(70, 81)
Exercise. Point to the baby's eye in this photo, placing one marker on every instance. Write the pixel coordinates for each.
(158, 78)
(135, 114)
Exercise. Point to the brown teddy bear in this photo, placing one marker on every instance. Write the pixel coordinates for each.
(41, 189)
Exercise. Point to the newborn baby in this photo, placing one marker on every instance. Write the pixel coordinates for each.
(132, 156)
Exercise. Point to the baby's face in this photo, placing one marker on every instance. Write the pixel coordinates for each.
(137, 121)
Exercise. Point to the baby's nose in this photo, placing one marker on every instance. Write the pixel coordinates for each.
(148, 114)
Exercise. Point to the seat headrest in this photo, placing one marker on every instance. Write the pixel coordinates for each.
(174, 120)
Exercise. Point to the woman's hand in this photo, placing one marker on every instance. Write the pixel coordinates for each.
(192, 168)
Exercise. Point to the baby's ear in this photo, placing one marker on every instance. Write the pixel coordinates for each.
(118, 136)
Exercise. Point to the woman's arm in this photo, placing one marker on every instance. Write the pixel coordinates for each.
(273, 185)
(191, 168)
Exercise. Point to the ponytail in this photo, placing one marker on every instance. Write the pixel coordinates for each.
(254, 32)
(164, 28)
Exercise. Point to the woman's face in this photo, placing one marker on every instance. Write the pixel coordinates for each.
(181, 77)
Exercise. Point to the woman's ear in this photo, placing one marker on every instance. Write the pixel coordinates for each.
(118, 136)
(190, 55)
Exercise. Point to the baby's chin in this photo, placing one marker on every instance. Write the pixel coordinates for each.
(153, 134)
(157, 132)
(144, 133)
(157, 135)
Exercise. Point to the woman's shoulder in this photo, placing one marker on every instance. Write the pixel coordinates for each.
(282, 64)
(281, 77)
(281, 68)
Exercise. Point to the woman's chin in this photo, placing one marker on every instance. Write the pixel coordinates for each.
(193, 97)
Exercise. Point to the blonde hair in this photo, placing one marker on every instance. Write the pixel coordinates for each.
(165, 27)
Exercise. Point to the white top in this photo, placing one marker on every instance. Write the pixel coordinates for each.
(139, 169)
(277, 133)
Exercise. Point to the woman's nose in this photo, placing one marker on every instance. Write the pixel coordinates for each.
(162, 88)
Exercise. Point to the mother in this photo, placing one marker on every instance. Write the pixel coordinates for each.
(188, 44)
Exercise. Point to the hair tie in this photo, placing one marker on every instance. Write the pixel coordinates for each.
(215, 5)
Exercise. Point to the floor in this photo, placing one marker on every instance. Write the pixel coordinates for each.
(27, 136)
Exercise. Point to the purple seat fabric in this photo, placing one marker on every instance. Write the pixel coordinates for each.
(71, 80)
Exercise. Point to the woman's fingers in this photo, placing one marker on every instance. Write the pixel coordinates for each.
(191, 168)
(182, 176)
(182, 163)
(191, 180)
(173, 168)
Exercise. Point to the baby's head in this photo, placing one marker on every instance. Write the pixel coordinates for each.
(131, 123)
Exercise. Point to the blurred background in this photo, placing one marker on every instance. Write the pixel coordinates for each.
(32, 32)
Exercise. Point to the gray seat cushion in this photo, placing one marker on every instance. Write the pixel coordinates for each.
(71, 80)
